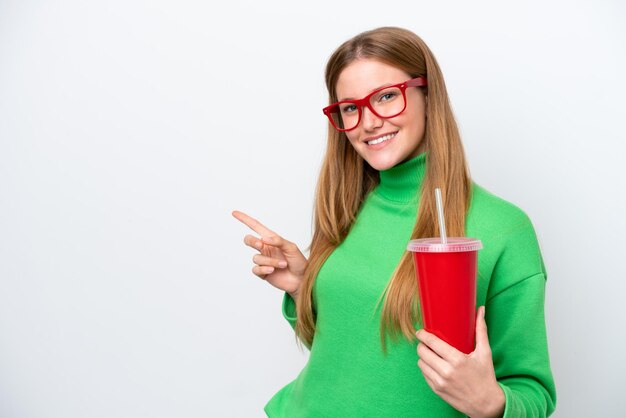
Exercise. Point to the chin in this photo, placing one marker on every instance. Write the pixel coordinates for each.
(379, 165)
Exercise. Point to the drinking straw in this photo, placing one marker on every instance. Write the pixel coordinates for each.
(442, 221)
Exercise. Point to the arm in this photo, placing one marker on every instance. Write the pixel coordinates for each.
(510, 365)
(516, 323)
(517, 333)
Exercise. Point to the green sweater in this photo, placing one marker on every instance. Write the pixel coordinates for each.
(347, 375)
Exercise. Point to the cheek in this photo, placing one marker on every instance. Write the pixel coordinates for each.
(415, 121)
(352, 138)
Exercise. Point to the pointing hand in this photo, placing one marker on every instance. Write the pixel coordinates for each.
(280, 262)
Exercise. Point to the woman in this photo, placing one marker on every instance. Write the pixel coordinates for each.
(392, 140)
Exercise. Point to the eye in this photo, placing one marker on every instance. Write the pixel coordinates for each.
(348, 108)
(387, 96)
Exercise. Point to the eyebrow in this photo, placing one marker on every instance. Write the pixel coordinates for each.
(374, 89)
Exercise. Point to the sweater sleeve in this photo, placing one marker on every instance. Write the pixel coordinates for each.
(520, 350)
(289, 313)
(514, 312)
(289, 310)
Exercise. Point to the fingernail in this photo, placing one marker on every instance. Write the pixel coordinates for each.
(282, 264)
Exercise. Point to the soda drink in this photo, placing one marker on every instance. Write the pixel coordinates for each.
(446, 278)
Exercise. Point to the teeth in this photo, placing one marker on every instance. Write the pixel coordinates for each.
(381, 139)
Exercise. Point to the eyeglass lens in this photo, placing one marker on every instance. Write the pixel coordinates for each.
(386, 103)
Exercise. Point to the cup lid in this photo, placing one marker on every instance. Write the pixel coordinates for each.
(434, 245)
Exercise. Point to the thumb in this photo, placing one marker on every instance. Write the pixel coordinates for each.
(482, 338)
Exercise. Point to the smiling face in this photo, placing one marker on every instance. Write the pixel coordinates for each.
(407, 129)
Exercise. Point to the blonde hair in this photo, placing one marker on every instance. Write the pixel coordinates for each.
(346, 178)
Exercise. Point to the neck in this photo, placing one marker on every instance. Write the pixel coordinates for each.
(402, 182)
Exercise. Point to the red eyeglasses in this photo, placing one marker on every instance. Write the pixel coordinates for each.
(386, 102)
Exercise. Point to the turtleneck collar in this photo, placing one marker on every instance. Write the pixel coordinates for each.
(401, 183)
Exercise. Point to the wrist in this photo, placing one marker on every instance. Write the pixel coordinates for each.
(495, 403)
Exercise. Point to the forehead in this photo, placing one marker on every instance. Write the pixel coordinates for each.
(362, 76)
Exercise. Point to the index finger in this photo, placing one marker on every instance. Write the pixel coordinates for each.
(253, 224)
(436, 344)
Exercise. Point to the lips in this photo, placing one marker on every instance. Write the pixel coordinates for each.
(371, 138)
(384, 142)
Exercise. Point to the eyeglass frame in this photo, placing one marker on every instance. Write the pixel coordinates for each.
(360, 103)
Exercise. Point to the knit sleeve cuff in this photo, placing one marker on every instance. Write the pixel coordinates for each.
(516, 405)
(508, 410)
(289, 309)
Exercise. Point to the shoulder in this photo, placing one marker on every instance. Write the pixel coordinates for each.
(509, 238)
(493, 214)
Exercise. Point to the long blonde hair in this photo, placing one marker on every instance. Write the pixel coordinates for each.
(346, 178)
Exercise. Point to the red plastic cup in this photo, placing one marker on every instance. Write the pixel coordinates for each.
(446, 278)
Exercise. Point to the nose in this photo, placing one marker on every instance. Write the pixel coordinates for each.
(370, 120)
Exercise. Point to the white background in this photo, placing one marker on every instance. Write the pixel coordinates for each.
(129, 131)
